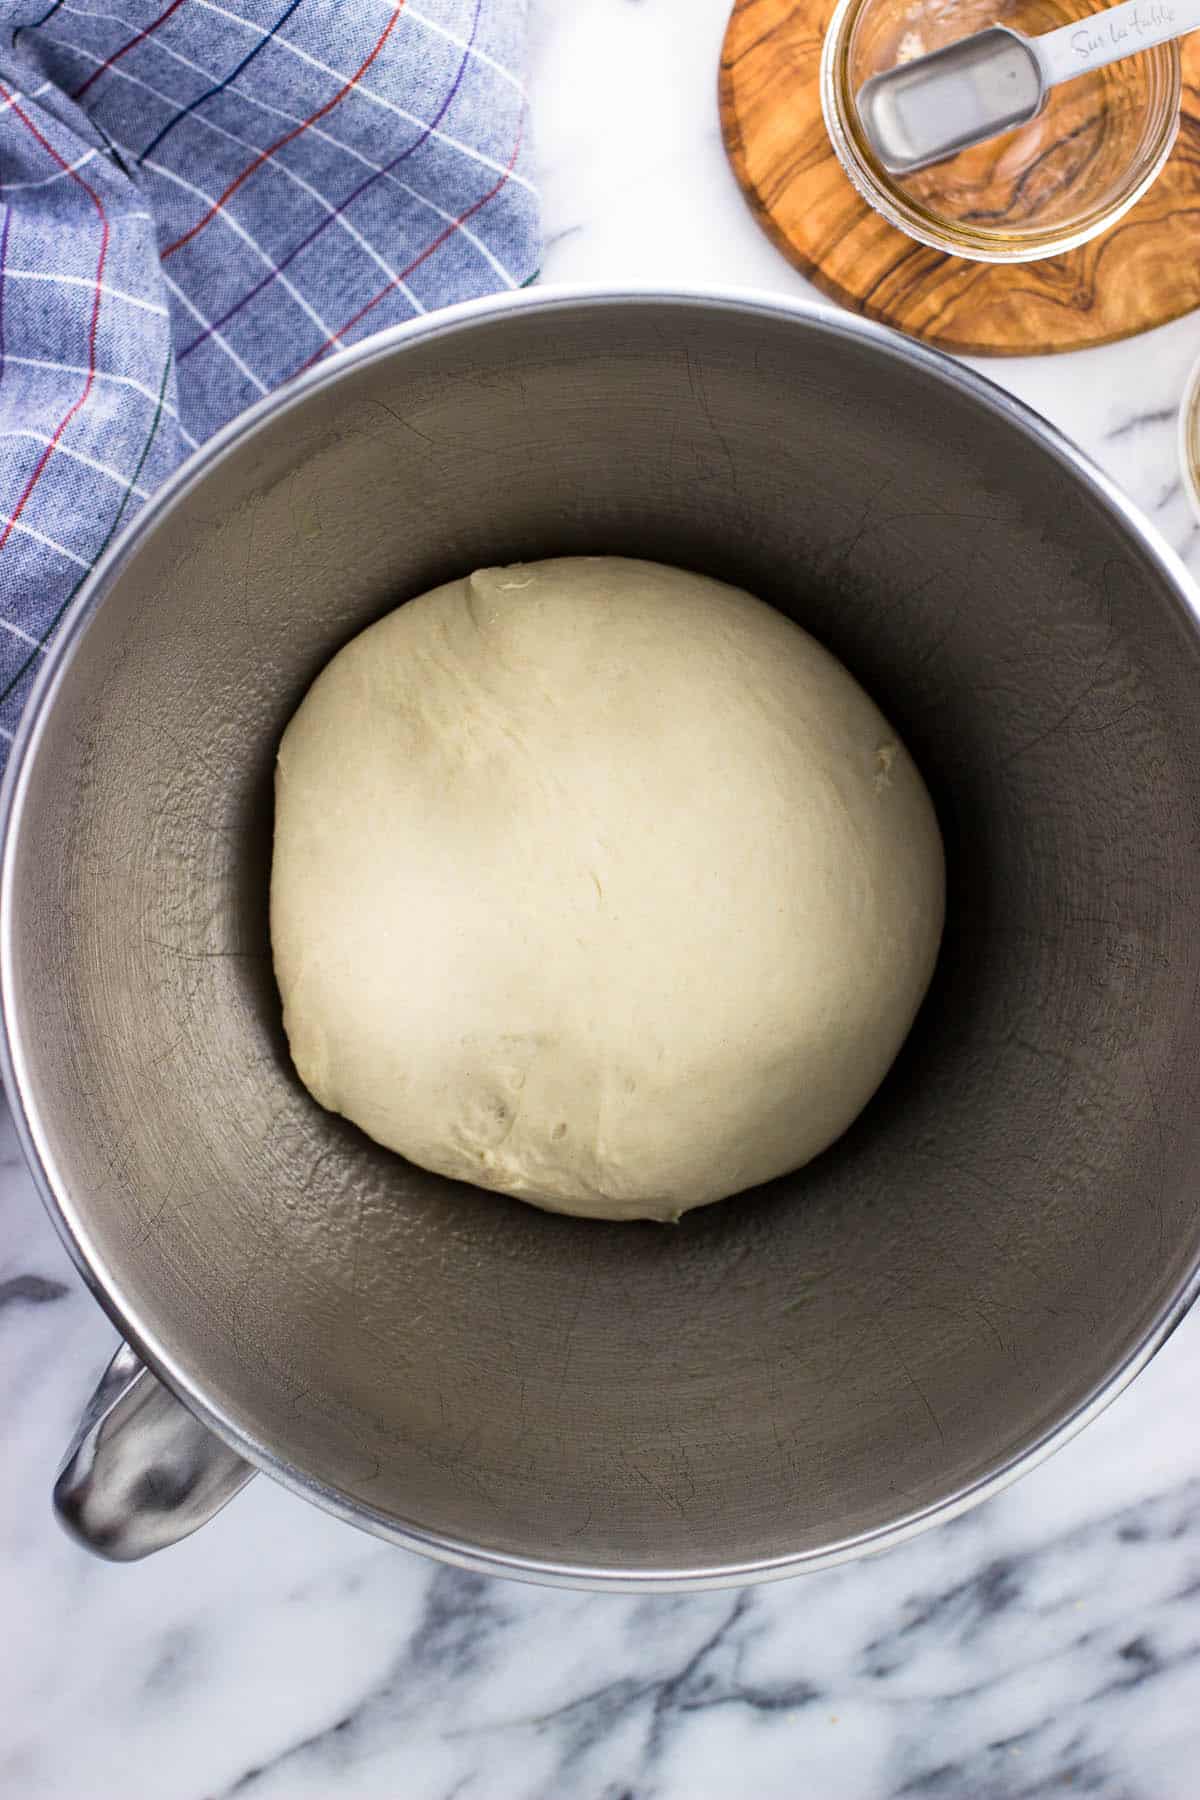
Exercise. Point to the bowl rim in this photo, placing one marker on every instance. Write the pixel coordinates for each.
(1187, 438)
(104, 1282)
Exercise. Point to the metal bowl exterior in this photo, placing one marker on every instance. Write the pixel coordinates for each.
(818, 1369)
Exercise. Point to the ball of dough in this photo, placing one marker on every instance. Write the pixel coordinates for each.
(600, 884)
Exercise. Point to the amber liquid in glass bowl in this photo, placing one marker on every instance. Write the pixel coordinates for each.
(1189, 440)
(1058, 180)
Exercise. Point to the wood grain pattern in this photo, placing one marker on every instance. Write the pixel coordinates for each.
(1141, 273)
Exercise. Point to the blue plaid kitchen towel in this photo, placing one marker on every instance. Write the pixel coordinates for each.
(200, 200)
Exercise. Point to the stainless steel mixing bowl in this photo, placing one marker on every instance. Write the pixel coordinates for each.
(808, 1371)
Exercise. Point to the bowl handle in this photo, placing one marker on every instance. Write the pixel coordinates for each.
(141, 1472)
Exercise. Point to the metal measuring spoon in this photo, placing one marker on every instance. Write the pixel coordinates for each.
(988, 83)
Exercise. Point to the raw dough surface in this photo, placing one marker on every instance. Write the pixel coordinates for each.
(598, 883)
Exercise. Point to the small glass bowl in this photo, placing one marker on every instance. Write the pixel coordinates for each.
(1189, 440)
(1048, 186)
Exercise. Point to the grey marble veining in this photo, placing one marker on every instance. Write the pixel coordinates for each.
(1048, 1643)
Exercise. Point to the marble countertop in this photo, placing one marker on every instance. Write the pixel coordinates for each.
(1047, 1643)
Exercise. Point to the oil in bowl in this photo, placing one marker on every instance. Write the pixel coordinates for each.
(1189, 440)
(1036, 191)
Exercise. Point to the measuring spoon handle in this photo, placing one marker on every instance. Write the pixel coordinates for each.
(1106, 37)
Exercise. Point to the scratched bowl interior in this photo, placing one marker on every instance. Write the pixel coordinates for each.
(798, 1368)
